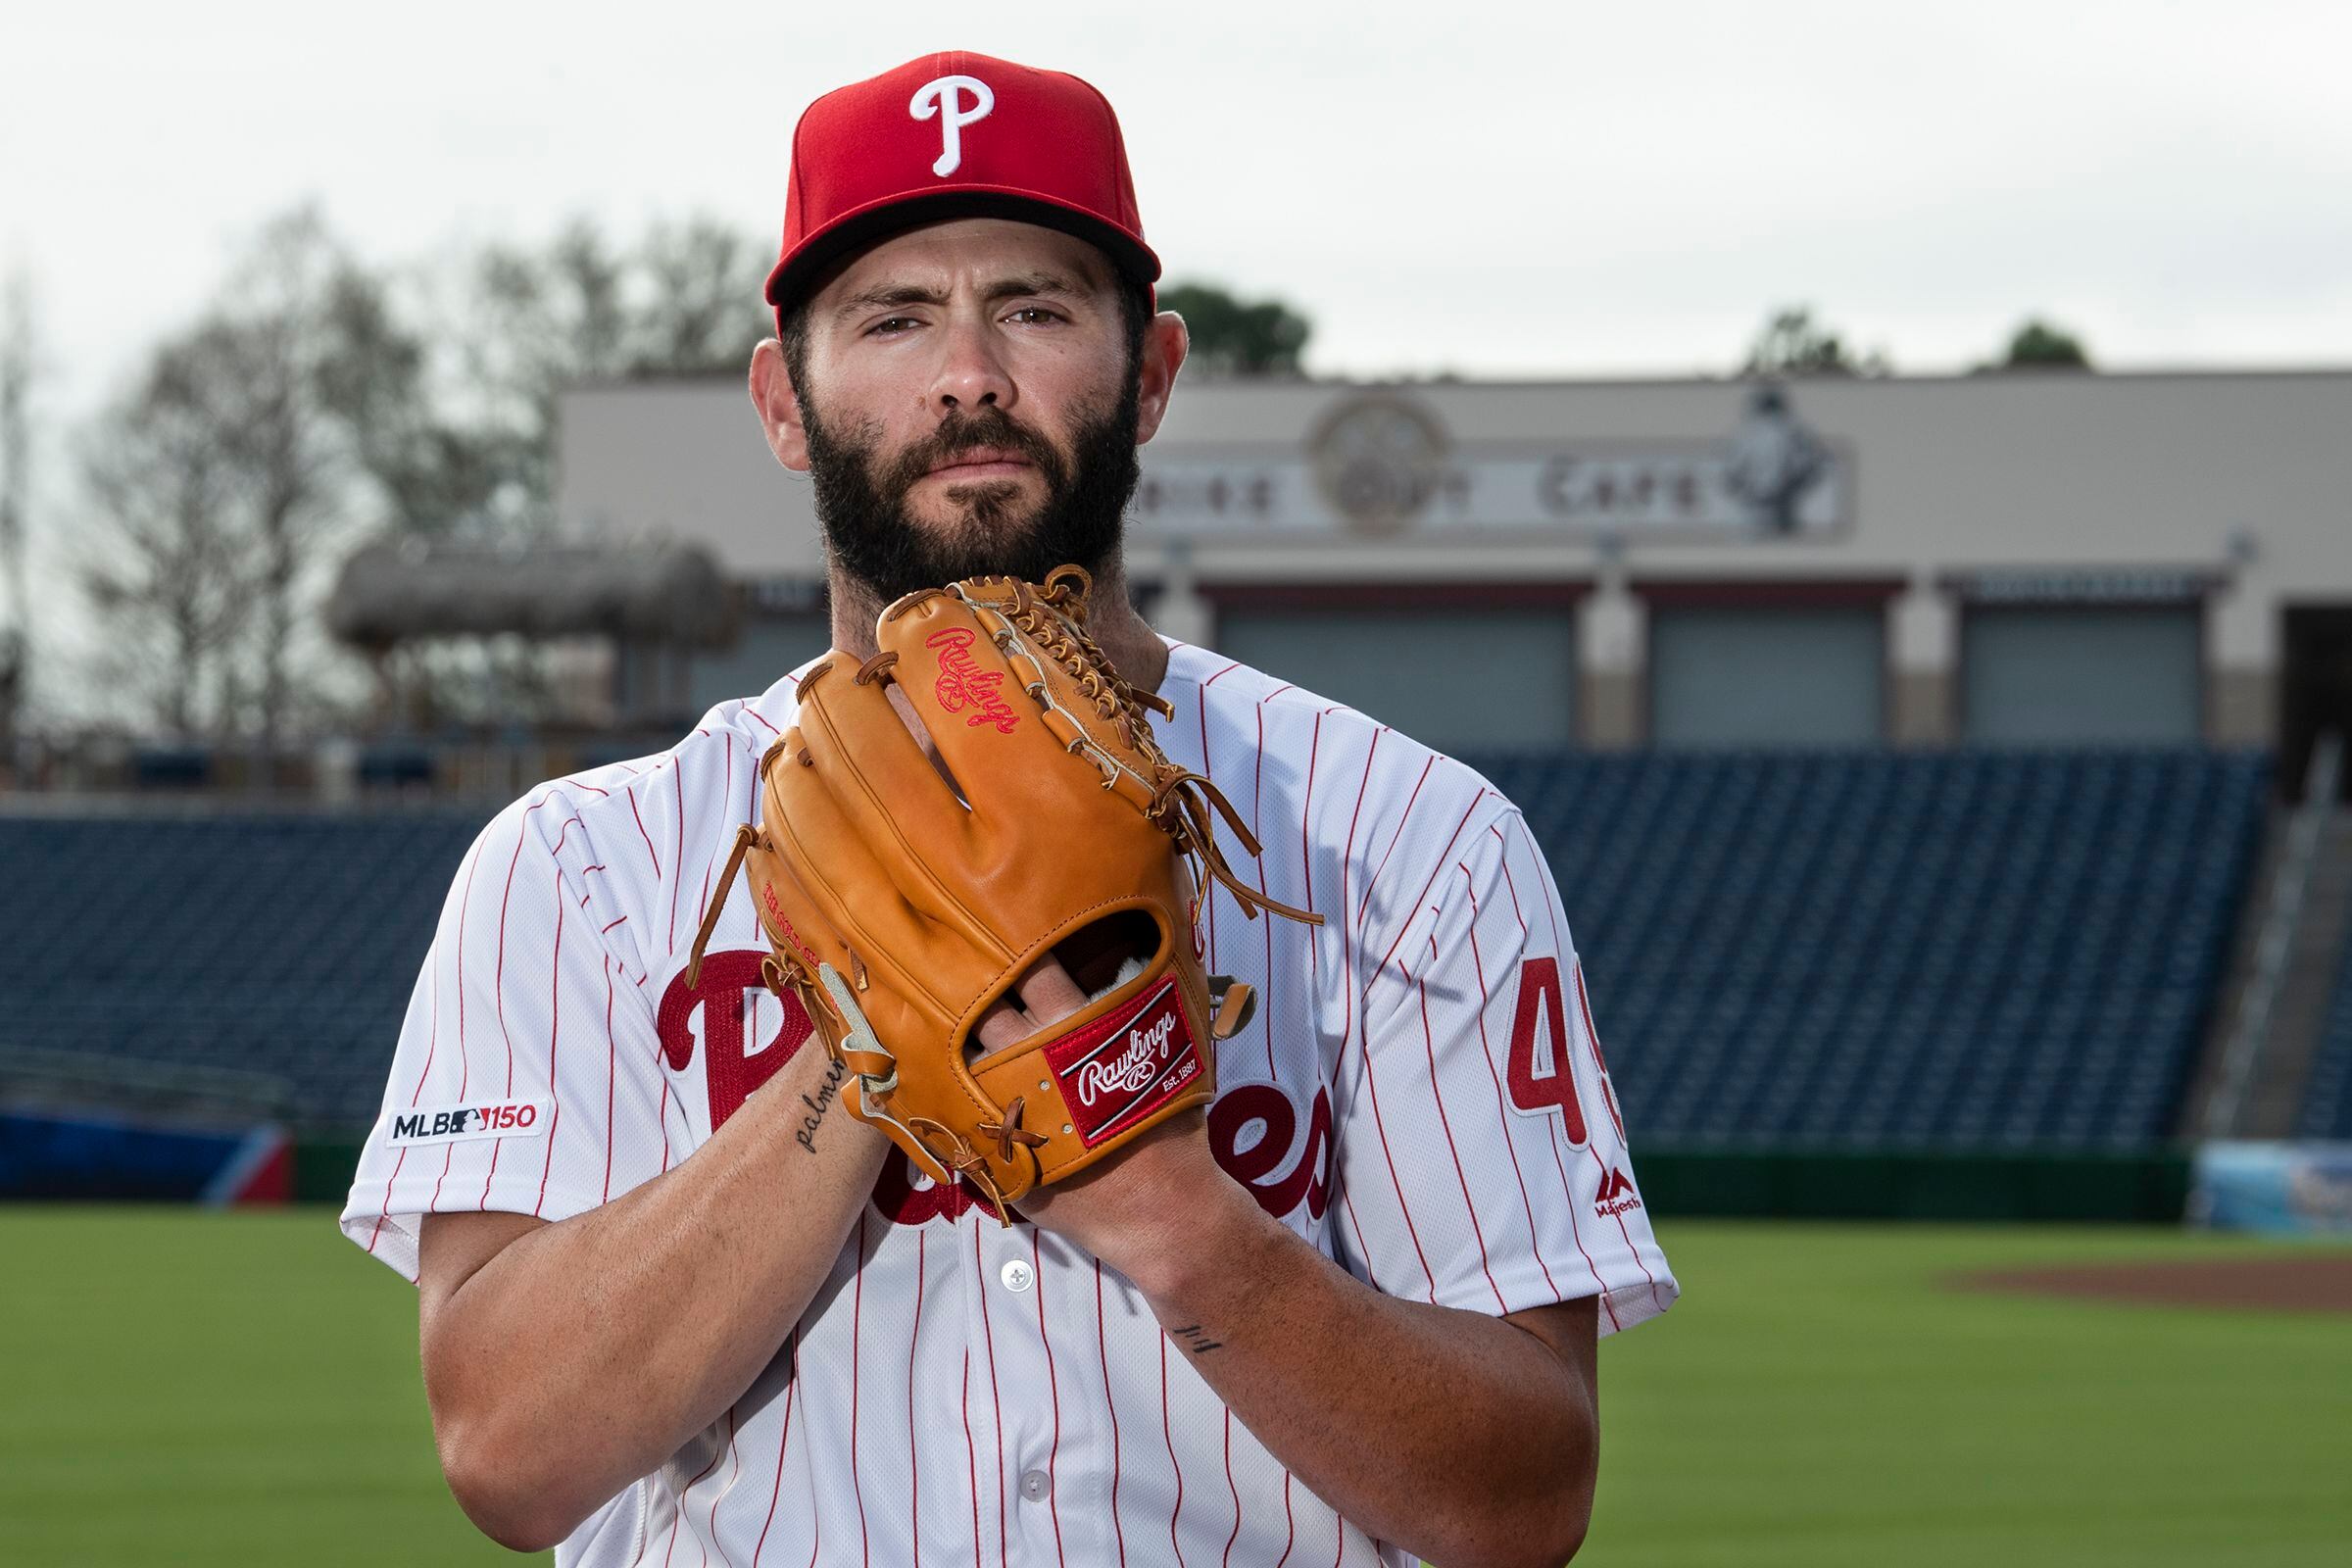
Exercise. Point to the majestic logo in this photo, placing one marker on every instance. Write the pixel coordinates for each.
(964, 684)
(1133, 1069)
(451, 1124)
(1617, 1193)
(1127, 1064)
(944, 97)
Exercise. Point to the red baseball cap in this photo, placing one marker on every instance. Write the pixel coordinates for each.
(955, 135)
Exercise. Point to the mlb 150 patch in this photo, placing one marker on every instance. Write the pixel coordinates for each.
(452, 1124)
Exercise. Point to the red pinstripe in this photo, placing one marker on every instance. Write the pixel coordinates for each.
(734, 1475)
(498, 987)
(611, 1076)
(1103, 1349)
(609, 924)
(1346, 860)
(1436, 1094)
(1290, 1525)
(432, 1044)
(1380, 1126)
(678, 1498)
(1235, 1491)
(856, 1321)
(1208, 895)
(563, 833)
(1443, 856)
(995, 1401)
(1258, 794)
(971, 1457)
(1307, 846)
(678, 787)
(1405, 816)
(914, 1473)
(1037, 1264)
(755, 714)
(643, 834)
(1348, 1203)
(584, 784)
(1167, 1433)
(555, 1016)
(1503, 1123)
(792, 1389)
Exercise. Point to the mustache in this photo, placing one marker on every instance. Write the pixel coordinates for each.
(964, 432)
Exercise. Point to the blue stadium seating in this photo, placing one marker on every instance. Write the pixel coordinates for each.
(277, 944)
(2327, 1093)
(1974, 949)
(1959, 951)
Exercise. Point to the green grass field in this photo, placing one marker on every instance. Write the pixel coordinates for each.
(194, 1388)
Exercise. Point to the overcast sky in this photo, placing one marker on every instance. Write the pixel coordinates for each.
(1521, 190)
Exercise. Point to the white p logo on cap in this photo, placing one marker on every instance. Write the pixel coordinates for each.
(942, 97)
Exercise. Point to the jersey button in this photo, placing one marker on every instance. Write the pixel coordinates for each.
(1017, 1276)
(1035, 1484)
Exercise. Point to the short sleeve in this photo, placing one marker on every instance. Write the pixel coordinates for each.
(1483, 1162)
(528, 1074)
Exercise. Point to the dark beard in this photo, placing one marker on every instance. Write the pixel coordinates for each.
(876, 545)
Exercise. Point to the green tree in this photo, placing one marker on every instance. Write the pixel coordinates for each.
(2038, 345)
(1793, 343)
(1232, 337)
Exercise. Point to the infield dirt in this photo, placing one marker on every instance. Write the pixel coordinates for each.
(2251, 1285)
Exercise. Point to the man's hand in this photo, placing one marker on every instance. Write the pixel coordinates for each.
(1467, 1438)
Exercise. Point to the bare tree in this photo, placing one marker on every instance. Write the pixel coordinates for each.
(163, 564)
(17, 361)
(233, 471)
(699, 310)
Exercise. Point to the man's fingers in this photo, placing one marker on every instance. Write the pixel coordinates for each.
(1002, 1025)
(1049, 992)
(1046, 993)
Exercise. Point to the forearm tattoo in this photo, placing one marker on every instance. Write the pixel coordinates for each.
(1195, 1340)
(827, 1093)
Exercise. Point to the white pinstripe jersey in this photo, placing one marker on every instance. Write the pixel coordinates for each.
(1420, 1094)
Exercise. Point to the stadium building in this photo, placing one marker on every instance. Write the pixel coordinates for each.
(2021, 558)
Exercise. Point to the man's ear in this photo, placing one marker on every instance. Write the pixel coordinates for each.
(1165, 344)
(779, 406)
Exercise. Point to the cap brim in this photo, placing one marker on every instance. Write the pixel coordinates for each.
(878, 219)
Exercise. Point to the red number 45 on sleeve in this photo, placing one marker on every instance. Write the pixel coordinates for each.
(1543, 1074)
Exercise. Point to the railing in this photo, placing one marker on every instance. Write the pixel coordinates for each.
(2290, 888)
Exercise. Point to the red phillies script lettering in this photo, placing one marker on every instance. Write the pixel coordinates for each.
(905, 1196)
(728, 1072)
(1310, 1175)
(964, 684)
(1548, 1084)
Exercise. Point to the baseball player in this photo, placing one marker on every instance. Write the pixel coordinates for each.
(679, 1306)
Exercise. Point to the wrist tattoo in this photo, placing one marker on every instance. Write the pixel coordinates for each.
(827, 1093)
(1192, 1337)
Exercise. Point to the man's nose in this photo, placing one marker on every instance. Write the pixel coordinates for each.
(971, 373)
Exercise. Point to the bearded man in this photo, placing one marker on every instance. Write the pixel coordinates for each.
(671, 1290)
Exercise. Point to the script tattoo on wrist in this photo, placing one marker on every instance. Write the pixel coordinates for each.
(827, 1093)
(1195, 1340)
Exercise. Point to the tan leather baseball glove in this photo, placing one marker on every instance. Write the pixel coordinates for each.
(903, 902)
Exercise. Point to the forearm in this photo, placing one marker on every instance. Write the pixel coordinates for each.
(583, 1354)
(1460, 1437)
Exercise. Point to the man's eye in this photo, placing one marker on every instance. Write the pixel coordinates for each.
(892, 324)
(1039, 311)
